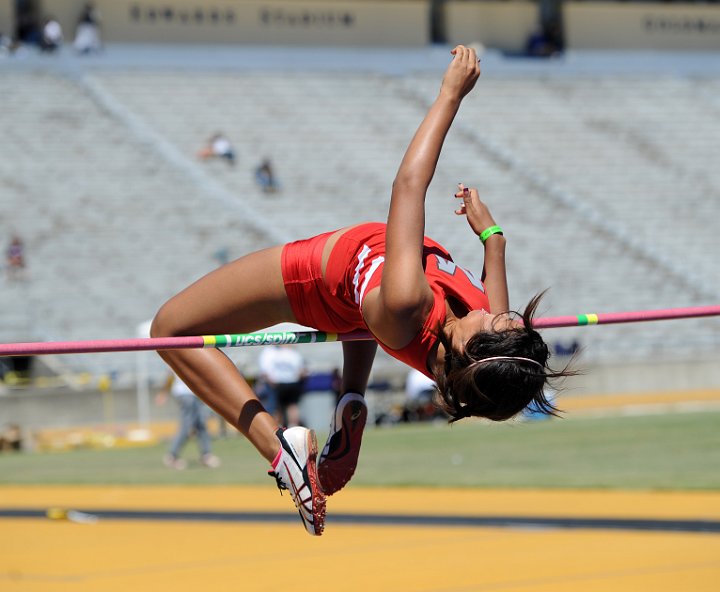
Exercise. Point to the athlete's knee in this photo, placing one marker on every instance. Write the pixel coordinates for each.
(164, 325)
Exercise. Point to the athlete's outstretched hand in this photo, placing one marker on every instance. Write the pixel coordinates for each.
(462, 73)
(476, 212)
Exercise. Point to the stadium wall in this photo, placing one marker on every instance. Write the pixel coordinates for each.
(612, 25)
(494, 23)
(263, 22)
(502, 24)
(652, 375)
(62, 407)
(7, 17)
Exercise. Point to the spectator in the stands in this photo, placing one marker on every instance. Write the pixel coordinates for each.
(544, 42)
(11, 438)
(6, 45)
(15, 259)
(51, 38)
(218, 146)
(265, 177)
(87, 33)
(420, 393)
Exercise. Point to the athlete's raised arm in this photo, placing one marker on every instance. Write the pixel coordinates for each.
(480, 219)
(404, 297)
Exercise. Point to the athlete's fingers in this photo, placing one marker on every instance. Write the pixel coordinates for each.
(465, 192)
(472, 56)
(461, 193)
(461, 190)
(470, 197)
(459, 52)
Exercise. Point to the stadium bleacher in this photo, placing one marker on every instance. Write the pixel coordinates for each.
(605, 184)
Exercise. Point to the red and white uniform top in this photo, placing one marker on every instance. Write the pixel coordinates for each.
(445, 278)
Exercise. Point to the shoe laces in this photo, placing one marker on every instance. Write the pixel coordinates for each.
(278, 480)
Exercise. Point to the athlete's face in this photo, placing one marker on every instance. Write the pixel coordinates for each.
(477, 321)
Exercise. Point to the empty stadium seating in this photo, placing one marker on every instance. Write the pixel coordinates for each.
(606, 186)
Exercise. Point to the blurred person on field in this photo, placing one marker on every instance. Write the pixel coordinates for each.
(218, 146)
(282, 370)
(87, 33)
(266, 394)
(193, 420)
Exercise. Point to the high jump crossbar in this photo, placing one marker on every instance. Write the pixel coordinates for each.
(296, 337)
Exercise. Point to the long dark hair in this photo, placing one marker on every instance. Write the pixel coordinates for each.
(500, 388)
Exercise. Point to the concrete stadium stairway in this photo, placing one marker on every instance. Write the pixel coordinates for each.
(104, 218)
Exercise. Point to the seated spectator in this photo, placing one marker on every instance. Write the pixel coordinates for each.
(6, 44)
(15, 258)
(218, 146)
(52, 36)
(87, 34)
(544, 42)
(567, 349)
(265, 177)
(222, 256)
(533, 413)
(419, 392)
(11, 438)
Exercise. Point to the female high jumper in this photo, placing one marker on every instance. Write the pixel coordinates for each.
(389, 279)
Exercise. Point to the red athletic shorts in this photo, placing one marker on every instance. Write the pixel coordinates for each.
(324, 305)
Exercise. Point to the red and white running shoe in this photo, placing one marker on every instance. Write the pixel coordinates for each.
(294, 469)
(339, 457)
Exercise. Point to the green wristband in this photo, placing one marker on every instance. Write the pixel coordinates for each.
(488, 232)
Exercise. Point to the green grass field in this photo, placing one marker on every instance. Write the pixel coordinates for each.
(676, 451)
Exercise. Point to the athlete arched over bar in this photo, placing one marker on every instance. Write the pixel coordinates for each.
(388, 278)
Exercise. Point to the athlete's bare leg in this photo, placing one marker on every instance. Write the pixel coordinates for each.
(243, 296)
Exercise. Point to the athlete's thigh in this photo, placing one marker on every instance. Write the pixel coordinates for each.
(244, 295)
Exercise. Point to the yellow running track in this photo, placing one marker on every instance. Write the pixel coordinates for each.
(38, 554)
